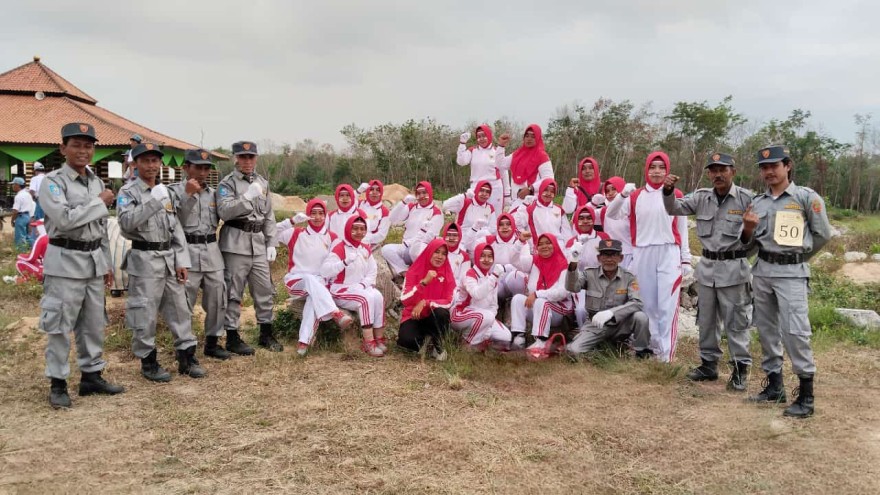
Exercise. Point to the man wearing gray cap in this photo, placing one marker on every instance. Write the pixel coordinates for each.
(247, 240)
(614, 308)
(789, 225)
(131, 172)
(723, 272)
(76, 267)
(157, 266)
(194, 202)
(34, 188)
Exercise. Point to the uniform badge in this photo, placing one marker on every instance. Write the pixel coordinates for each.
(620, 291)
(635, 285)
(246, 146)
(83, 128)
(212, 204)
(204, 155)
(816, 205)
(122, 201)
(149, 146)
(223, 191)
(734, 212)
(716, 157)
(765, 153)
(793, 206)
(54, 190)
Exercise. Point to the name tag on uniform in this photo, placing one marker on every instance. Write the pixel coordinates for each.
(793, 206)
(734, 212)
(620, 291)
(789, 230)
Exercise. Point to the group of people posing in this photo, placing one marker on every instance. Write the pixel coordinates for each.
(614, 267)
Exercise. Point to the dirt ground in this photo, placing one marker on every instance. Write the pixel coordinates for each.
(343, 423)
(862, 273)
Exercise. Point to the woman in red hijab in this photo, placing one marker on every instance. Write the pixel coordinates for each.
(427, 297)
(548, 300)
(477, 306)
(616, 228)
(528, 165)
(376, 212)
(481, 158)
(585, 188)
(346, 207)
(351, 270)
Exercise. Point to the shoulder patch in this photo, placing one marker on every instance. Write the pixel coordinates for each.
(816, 206)
(54, 190)
(223, 191)
(634, 285)
(122, 200)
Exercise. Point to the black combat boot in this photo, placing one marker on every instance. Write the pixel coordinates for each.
(152, 371)
(213, 349)
(802, 407)
(774, 390)
(94, 383)
(707, 371)
(267, 340)
(739, 377)
(187, 364)
(235, 345)
(58, 397)
(644, 354)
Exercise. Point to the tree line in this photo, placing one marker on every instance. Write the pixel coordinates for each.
(618, 134)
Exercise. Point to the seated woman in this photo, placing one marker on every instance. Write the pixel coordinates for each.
(346, 207)
(307, 247)
(474, 214)
(459, 259)
(506, 248)
(351, 269)
(421, 220)
(474, 315)
(426, 298)
(30, 265)
(544, 216)
(376, 211)
(547, 301)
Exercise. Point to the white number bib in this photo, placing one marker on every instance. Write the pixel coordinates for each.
(789, 229)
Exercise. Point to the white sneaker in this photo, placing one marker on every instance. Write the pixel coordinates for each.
(380, 343)
(343, 320)
(371, 349)
(537, 344)
(302, 349)
(9, 279)
(518, 342)
(439, 355)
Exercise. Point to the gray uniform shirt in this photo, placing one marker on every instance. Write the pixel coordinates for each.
(232, 205)
(74, 211)
(143, 218)
(198, 215)
(719, 228)
(816, 229)
(619, 294)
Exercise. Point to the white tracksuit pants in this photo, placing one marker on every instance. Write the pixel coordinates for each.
(369, 304)
(479, 325)
(397, 256)
(512, 283)
(658, 271)
(543, 315)
(319, 303)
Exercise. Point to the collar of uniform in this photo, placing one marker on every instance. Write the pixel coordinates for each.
(616, 274)
(790, 190)
(142, 185)
(73, 174)
(238, 175)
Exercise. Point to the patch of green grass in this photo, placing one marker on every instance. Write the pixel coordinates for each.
(828, 290)
(328, 337)
(830, 328)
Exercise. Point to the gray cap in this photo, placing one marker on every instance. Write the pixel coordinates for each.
(19, 181)
(244, 148)
(720, 159)
(198, 157)
(609, 246)
(39, 166)
(144, 148)
(74, 129)
(773, 154)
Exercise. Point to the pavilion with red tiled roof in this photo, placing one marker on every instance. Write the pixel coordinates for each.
(35, 102)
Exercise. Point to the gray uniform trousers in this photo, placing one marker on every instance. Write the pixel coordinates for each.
(254, 271)
(728, 306)
(73, 305)
(781, 315)
(590, 336)
(213, 287)
(146, 297)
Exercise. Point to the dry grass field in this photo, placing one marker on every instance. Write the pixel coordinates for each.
(339, 422)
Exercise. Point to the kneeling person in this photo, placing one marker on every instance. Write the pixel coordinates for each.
(157, 268)
(614, 308)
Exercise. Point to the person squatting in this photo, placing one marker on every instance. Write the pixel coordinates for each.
(511, 271)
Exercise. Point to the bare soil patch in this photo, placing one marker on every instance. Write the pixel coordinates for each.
(862, 273)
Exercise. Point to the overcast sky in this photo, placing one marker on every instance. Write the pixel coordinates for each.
(291, 70)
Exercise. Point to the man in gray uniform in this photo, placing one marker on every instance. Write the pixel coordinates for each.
(614, 308)
(157, 268)
(76, 267)
(789, 225)
(196, 209)
(722, 275)
(247, 240)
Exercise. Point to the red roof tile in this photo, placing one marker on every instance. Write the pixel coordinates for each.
(34, 76)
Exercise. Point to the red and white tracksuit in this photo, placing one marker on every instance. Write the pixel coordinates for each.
(660, 246)
(30, 265)
(550, 306)
(421, 224)
(543, 219)
(353, 283)
(468, 211)
(474, 315)
(483, 167)
(336, 220)
(307, 248)
(545, 171)
(377, 223)
(619, 229)
(507, 254)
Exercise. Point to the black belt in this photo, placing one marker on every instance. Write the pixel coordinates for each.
(201, 239)
(781, 259)
(87, 246)
(246, 226)
(723, 255)
(150, 246)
